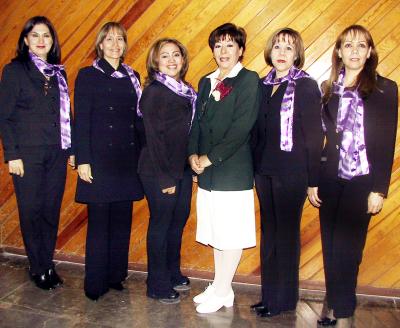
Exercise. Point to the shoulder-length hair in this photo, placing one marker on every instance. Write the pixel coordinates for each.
(366, 79)
(294, 37)
(152, 61)
(22, 53)
(101, 35)
(230, 31)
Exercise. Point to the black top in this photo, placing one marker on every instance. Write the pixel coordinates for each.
(105, 125)
(380, 123)
(305, 155)
(166, 118)
(28, 115)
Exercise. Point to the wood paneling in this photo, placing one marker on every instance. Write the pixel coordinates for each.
(191, 21)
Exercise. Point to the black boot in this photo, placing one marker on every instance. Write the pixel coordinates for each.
(54, 278)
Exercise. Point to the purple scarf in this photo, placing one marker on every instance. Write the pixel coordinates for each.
(132, 76)
(180, 88)
(65, 105)
(353, 159)
(287, 106)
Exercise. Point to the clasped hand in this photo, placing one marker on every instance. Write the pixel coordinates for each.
(199, 163)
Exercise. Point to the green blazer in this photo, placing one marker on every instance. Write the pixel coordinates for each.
(221, 130)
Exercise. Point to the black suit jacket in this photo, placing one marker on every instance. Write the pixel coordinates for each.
(28, 116)
(105, 135)
(307, 134)
(166, 119)
(380, 124)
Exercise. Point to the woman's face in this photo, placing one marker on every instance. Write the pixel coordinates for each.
(113, 45)
(39, 41)
(354, 51)
(227, 53)
(283, 55)
(170, 60)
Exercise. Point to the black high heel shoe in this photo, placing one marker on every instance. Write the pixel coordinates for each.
(257, 306)
(53, 277)
(41, 281)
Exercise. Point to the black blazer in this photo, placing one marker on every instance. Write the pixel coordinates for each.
(105, 135)
(166, 118)
(307, 135)
(28, 116)
(380, 124)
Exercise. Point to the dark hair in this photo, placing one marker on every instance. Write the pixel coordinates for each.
(230, 31)
(366, 79)
(296, 40)
(154, 54)
(22, 53)
(101, 35)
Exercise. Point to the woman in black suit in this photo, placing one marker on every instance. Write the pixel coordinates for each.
(168, 108)
(35, 126)
(360, 117)
(288, 144)
(107, 151)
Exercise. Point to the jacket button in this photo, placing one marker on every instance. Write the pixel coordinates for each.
(211, 130)
(132, 108)
(337, 146)
(54, 124)
(131, 126)
(110, 144)
(109, 89)
(111, 108)
(110, 126)
(132, 144)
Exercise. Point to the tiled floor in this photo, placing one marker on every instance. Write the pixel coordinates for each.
(24, 305)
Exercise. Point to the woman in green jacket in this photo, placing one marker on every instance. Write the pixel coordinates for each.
(219, 152)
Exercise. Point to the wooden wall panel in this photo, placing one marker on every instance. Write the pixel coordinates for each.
(190, 21)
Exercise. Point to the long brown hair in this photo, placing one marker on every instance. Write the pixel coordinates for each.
(366, 79)
(152, 60)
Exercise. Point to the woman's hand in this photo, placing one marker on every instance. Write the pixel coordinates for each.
(204, 161)
(375, 202)
(312, 193)
(85, 172)
(16, 167)
(71, 161)
(170, 190)
(195, 164)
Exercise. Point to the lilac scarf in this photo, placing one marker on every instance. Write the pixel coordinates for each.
(287, 106)
(132, 76)
(180, 88)
(65, 105)
(353, 159)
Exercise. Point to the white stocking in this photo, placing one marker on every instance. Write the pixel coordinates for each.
(226, 263)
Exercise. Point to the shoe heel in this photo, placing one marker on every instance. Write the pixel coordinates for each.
(229, 302)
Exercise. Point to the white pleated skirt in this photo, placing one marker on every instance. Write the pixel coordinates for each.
(226, 219)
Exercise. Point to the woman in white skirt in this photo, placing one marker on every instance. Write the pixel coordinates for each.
(220, 154)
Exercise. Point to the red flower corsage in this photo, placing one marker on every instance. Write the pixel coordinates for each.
(221, 91)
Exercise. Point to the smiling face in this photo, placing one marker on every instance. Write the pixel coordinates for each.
(113, 45)
(39, 41)
(354, 52)
(170, 60)
(226, 54)
(283, 55)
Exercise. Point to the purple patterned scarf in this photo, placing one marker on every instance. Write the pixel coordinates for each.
(132, 76)
(180, 88)
(353, 159)
(287, 106)
(65, 104)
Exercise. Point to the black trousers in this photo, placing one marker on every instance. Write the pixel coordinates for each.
(107, 245)
(344, 224)
(281, 203)
(168, 216)
(39, 194)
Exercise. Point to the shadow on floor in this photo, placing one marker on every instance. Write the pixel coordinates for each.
(23, 305)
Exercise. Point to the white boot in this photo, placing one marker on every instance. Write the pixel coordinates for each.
(204, 296)
(214, 303)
